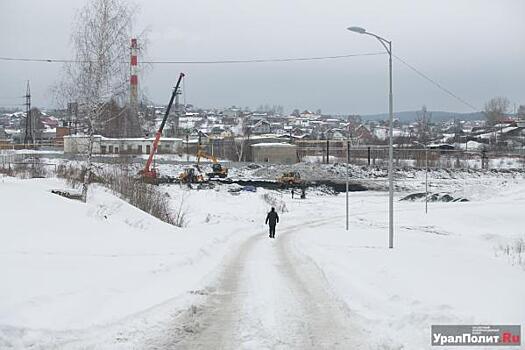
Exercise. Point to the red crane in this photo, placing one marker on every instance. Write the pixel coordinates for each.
(149, 173)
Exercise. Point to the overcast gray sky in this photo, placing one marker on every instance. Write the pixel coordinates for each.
(475, 48)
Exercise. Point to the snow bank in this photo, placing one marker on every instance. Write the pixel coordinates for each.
(446, 268)
(69, 265)
(110, 271)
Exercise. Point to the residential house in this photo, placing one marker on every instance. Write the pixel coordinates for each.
(261, 127)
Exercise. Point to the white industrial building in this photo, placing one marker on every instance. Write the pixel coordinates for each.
(104, 145)
(279, 153)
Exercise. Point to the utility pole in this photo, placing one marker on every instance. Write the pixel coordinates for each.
(390, 151)
(347, 179)
(187, 145)
(425, 146)
(426, 179)
(327, 150)
(28, 137)
(72, 108)
(388, 47)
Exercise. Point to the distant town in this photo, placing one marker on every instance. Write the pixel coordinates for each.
(230, 133)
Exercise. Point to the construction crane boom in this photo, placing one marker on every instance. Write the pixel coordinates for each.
(148, 172)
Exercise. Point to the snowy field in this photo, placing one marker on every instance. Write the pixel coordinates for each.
(105, 275)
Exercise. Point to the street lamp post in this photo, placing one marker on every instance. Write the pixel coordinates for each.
(426, 180)
(347, 178)
(388, 47)
(426, 175)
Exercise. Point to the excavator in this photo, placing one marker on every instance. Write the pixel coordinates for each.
(195, 175)
(189, 176)
(217, 169)
(290, 178)
(150, 174)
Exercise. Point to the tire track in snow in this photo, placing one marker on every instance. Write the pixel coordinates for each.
(330, 323)
(211, 325)
(266, 298)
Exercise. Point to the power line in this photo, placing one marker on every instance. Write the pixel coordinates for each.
(18, 59)
(263, 60)
(267, 60)
(435, 83)
(255, 60)
(12, 104)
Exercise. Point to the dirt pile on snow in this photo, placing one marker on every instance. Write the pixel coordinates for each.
(434, 197)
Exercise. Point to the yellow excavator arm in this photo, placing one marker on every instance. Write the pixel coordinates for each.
(202, 154)
(218, 169)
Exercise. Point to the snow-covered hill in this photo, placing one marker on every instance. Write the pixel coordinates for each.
(106, 275)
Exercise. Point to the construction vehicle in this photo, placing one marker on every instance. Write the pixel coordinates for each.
(189, 176)
(217, 169)
(290, 178)
(150, 174)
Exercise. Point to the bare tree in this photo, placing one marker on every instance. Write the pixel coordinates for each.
(423, 121)
(521, 111)
(116, 121)
(99, 73)
(496, 109)
(244, 131)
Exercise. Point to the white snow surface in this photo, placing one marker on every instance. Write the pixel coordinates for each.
(67, 265)
(106, 275)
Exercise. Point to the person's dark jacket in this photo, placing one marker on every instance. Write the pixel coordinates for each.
(272, 218)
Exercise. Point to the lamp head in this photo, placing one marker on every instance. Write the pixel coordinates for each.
(357, 30)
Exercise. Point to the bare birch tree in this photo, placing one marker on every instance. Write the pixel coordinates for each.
(423, 121)
(496, 109)
(99, 72)
(244, 138)
(521, 111)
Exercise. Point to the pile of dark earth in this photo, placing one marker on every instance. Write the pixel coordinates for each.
(433, 197)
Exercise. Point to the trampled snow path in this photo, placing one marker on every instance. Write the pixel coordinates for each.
(267, 297)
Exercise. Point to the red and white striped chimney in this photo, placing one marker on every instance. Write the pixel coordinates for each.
(134, 81)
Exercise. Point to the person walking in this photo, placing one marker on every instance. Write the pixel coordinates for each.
(272, 219)
(293, 192)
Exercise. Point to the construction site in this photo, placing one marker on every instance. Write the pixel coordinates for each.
(261, 175)
(194, 157)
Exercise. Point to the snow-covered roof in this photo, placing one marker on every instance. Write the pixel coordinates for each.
(501, 125)
(118, 139)
(269, 144)
(472, 145)
(440, 145)
(507, 129)
(12, 131)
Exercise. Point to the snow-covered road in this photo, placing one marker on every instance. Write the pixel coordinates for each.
(267, 297)
(124, 280)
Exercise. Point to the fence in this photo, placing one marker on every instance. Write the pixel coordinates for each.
(377, 155)
(59, 144)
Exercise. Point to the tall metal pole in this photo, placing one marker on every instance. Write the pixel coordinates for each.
(388, 47)
(187, 145)
(28, 136)
(327, 150)
(391, 156)
(347, 179)
(426, 180)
